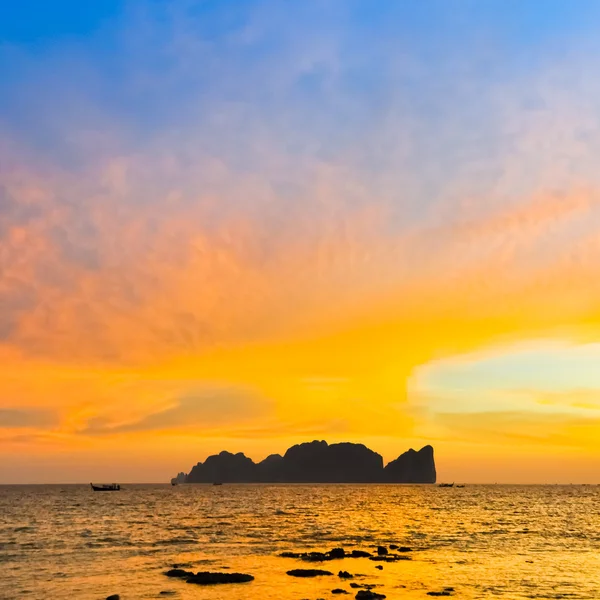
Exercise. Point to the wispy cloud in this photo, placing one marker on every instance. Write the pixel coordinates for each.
(23, 418)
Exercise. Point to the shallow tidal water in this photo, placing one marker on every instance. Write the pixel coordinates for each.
(484, 541)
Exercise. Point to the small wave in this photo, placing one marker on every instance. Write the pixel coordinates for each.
(175, 542)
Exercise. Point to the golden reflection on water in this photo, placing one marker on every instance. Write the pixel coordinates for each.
(484, 541)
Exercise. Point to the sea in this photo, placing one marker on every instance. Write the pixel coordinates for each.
(480, 541)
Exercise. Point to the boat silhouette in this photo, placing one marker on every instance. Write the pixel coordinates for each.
(106, 487)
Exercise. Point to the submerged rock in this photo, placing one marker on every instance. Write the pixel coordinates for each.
(317, 556)
(339, 591)
(345, 575)
(360, 554)
(178, 573)
(389, 558)
(208, 578)
(308, 572)
(379, 567)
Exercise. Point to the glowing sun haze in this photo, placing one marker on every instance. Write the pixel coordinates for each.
(241, 225)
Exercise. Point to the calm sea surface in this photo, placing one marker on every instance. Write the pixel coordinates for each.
(484, 541)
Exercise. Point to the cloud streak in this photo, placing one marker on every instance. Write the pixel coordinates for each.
(24, 418)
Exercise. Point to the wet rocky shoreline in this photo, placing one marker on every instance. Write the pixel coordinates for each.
(357, 582)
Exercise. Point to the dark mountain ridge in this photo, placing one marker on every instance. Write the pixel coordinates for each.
(317, 462)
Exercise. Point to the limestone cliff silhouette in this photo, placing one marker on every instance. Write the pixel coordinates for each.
(317, 462)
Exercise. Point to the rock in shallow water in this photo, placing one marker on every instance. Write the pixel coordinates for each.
(345, 575)
(178, 573)
(368, 595)
(339, 591)
(207, 578)
(308, 572)
(114, 597)
(389, 558)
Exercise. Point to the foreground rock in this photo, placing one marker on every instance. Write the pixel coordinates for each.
(368, 595)
(308, 572)
(209, 578)
(316, 462)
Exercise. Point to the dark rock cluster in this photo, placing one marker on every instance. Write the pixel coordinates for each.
(383, 555)
(364, 591)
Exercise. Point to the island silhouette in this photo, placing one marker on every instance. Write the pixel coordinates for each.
(315, 462)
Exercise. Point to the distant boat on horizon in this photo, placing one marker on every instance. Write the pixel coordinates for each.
(445, 485)
(217, 483)
(106, 487)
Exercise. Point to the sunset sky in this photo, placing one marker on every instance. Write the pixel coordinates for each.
(244, 224)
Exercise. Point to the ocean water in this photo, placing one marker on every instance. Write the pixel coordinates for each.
(484, 541)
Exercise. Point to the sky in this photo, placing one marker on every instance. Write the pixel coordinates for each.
(245, 224)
